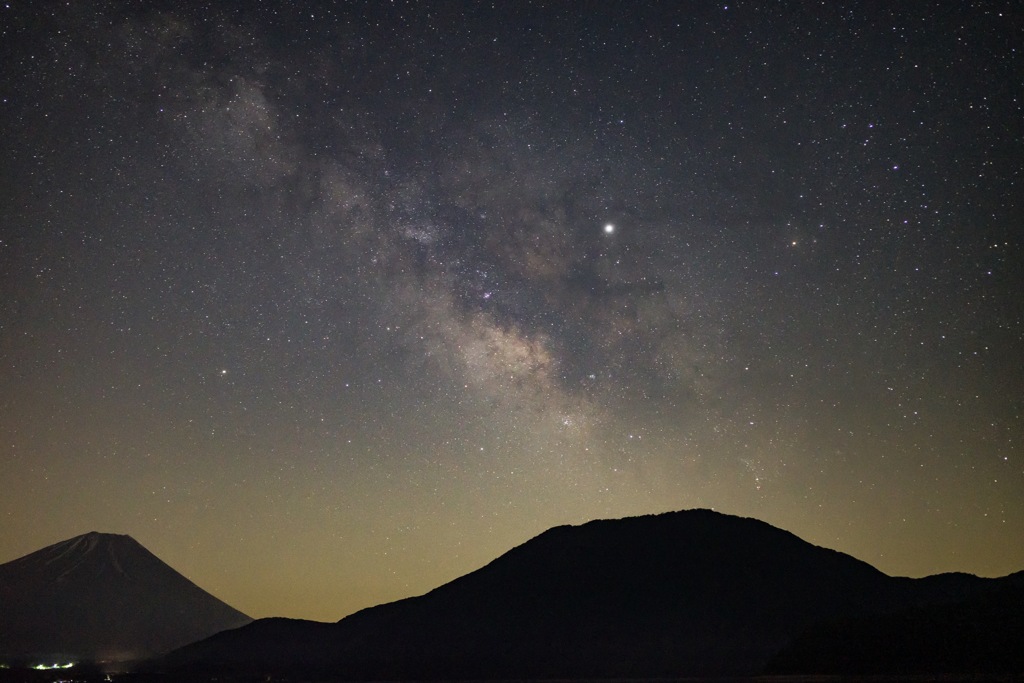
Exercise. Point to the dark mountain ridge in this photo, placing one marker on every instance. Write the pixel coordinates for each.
(102, 597)
(980, 633)
(679, 594)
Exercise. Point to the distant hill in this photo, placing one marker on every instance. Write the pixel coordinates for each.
(691, 593)
(103, 597)
(981, 633)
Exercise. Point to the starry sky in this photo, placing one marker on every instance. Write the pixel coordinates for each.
(327, 304)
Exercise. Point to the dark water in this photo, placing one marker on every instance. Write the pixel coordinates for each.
(94, 676)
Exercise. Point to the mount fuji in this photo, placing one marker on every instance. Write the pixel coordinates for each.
(102, 597)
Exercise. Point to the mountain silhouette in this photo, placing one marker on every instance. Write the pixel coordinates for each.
(692, 593)
(982, 633)
(102, 597)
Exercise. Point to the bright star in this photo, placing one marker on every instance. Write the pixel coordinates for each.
(609, 228)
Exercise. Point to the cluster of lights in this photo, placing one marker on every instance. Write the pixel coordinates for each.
(46, 667)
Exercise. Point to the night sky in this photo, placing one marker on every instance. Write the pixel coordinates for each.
(328, 304)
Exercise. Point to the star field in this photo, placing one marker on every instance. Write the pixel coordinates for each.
(328, 304)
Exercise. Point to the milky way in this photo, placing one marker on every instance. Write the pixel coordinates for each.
(357, 297)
